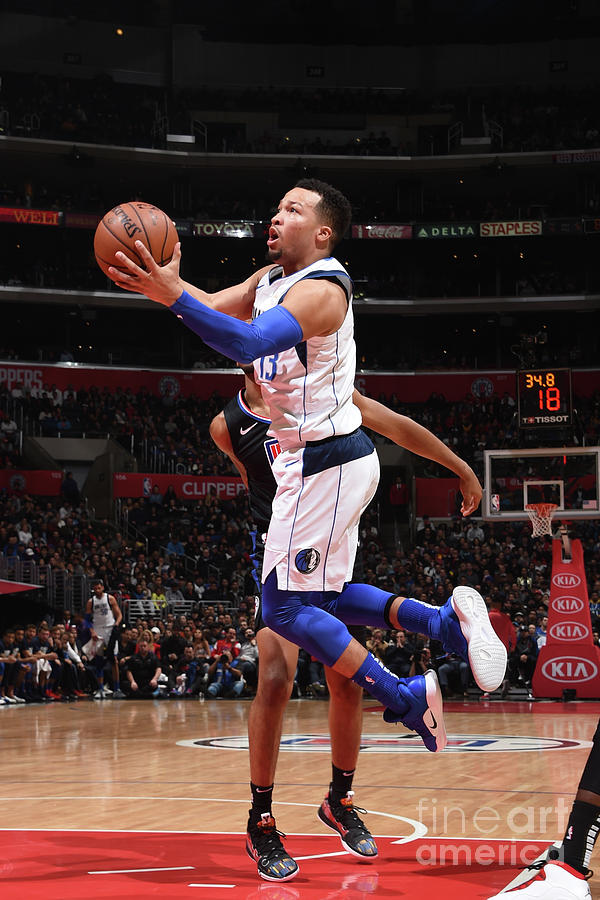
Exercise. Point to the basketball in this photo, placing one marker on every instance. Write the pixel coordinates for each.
(127, 223)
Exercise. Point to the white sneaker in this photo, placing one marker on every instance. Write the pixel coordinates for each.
(16, 700)
(10, 700)
(486, 652)
(99, 695)
(555, 881)
(107, 691)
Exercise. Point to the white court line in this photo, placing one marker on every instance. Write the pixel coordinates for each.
(419, 828)
(213, 885)
(128, 871)
(323, 855)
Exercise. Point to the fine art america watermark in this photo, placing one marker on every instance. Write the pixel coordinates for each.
(464, 838)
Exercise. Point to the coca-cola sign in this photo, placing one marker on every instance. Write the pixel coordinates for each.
(382, 232)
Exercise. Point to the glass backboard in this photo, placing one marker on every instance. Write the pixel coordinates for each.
(566, 476)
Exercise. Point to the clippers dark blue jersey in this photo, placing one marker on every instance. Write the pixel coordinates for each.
(256, 450)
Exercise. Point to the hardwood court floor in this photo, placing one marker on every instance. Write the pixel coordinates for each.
(494, 798)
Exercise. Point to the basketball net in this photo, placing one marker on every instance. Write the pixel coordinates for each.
(540, 515)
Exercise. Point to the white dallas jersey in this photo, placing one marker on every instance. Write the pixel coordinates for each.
(102, 614)
(309, 388)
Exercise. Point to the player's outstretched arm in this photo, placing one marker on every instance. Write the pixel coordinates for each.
(163, 284)
(273, 331)
(414, 437)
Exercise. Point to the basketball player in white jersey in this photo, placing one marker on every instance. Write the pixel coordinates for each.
(241, 431)
(301, 342)
(103, 617)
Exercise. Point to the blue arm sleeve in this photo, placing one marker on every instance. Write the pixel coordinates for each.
(272, 332)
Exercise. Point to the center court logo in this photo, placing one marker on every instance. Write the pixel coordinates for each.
(399, 743)
(307, 560)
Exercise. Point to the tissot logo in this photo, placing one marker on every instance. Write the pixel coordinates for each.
(566, 579)
(567, 604)
(570, 668)
(569, 631)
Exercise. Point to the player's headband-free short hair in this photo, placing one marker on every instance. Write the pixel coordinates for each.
(333, 207)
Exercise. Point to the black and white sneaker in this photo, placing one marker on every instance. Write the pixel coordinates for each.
(264, 846)
(343, 817)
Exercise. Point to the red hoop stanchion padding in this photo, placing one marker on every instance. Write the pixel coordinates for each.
(540, 515)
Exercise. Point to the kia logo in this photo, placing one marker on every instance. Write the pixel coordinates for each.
(570, 668)
(566, 579)
(567, 604)
(569, 631)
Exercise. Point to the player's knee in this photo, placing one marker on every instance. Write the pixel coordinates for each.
(274, 685)
(342, 690)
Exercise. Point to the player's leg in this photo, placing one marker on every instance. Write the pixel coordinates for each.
(98, 664)
(321, 495)
(112, 649)
(561, 873)
(462, 625)
(345, 727)
(309, 555)
(416, 702)
(584, 821)
(277, 660)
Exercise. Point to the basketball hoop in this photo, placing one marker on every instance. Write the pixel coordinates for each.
(540, 515)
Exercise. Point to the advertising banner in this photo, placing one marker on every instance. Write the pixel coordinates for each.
(564, 226)
(591, 226)
(188, 487)
(447, 230)
(510, 229)
(383, 232)
(569, 658)
(228, 229)
(576, 156)
(45, 482)
(409, 387)
(30, 216)
(82, 220)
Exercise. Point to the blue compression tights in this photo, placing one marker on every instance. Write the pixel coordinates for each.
(316, 620)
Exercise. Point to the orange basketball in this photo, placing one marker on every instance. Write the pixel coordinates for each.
(130, 222)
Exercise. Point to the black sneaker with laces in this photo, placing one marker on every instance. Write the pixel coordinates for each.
(343, 817)
(264, 846)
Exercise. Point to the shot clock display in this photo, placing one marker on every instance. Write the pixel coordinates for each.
(544, 397)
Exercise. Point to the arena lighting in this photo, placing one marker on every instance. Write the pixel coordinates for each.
(119, 31)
